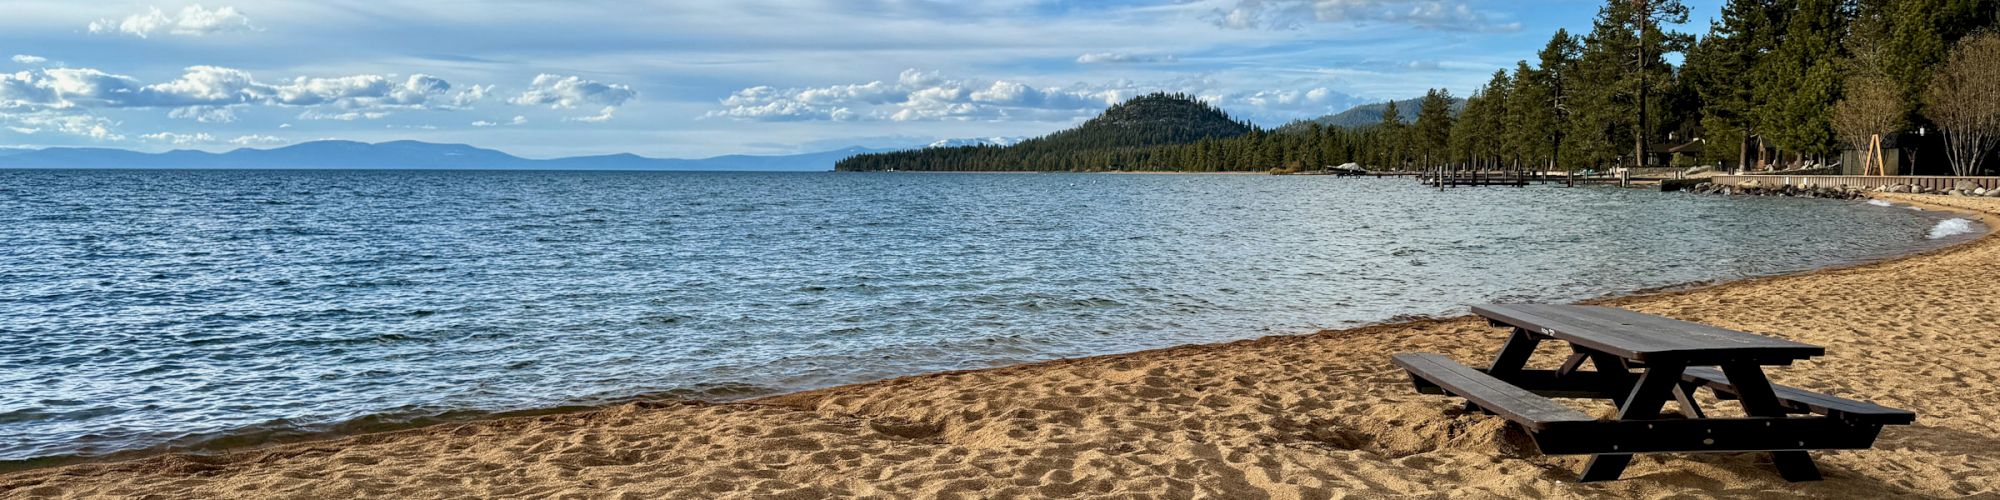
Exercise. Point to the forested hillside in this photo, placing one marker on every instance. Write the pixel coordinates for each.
(1772, 83)
(1108, 141)
(1168, 132)
(1366, 114)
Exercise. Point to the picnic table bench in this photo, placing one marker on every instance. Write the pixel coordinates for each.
(1640, 362)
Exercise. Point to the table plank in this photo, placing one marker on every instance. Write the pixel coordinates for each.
(1511, 402)
(1813, 402)
(1644, 337)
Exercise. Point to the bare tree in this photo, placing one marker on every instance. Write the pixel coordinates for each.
(1870, 108)
(1964, 101)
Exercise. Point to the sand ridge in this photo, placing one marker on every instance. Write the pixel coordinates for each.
(1311, 416)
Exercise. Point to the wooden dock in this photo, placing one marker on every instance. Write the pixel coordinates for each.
(1519, 178)
(1356, 172)
(1469, 178)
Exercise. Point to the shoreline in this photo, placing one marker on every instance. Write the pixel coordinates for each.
(892, 411)
(1119, 172)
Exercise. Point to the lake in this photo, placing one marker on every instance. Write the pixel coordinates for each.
(143, 309)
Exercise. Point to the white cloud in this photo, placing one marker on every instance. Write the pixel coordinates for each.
(1290, 14)
(61, 122)
(179, 139)
(254, 140)
(28, 59)
(63, 88)
(472, 94)
(204, 114)
(916, 96)
(518, 120)
(199, 138)
(929, 96)
(1122, 58)
(601, 116)
(211, 94)
(314, 114)
(1287, 98)
(564, 92)
(192, 20)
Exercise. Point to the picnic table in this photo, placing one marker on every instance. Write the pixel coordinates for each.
(1642, 361)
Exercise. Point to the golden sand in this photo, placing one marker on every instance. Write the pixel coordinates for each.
(1313, 416)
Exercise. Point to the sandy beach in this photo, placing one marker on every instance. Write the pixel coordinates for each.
(1310, 416)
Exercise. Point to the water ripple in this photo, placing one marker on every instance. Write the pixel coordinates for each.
(150, 308)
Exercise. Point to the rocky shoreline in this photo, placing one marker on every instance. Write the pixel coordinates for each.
(1759, 188)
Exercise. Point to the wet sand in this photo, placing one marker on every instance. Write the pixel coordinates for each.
(1311, 416)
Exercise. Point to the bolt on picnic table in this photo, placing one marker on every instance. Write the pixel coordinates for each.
(1641, 361)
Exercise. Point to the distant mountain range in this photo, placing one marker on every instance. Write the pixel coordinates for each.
(405, 155)
(1371, 114)
(977, 141)
(1144, 121)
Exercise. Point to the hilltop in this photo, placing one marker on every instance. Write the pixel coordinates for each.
(1146, 121)
(1152, 119)
(1370, 114)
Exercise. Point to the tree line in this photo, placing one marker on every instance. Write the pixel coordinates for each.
(1771, 82)
(1776, 82)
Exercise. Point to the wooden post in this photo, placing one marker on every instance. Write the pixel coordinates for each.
(1881, 163)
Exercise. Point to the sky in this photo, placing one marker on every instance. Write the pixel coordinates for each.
(704, 78)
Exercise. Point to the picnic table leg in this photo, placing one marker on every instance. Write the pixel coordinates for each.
(1754, 391)
(1513, 355)
(1684, 393)
(1576, 358)
(1644, 403)
(1614, 368)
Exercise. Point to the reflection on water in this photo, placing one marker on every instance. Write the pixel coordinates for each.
(145, 307)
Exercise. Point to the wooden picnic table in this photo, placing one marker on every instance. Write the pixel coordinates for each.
(1642, 361)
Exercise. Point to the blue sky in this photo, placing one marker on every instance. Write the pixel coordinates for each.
(702, 78)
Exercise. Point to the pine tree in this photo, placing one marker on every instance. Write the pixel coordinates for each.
(1530, 117)
(1462, 149)
(1489, 131)
(1558, 67)
(1801, 79)
(1432, 133)
(1389, 137)
(1720, 67)
(1624, 59)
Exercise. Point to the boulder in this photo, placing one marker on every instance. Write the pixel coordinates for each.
(1750, 185)
(1979, 192)
(1964, 186)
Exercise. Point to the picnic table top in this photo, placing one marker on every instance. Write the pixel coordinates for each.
(1642, 337)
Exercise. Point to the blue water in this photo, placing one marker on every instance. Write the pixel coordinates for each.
(147, 308)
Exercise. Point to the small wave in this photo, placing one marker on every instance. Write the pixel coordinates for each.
(1880, 203)
(1950, 227)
